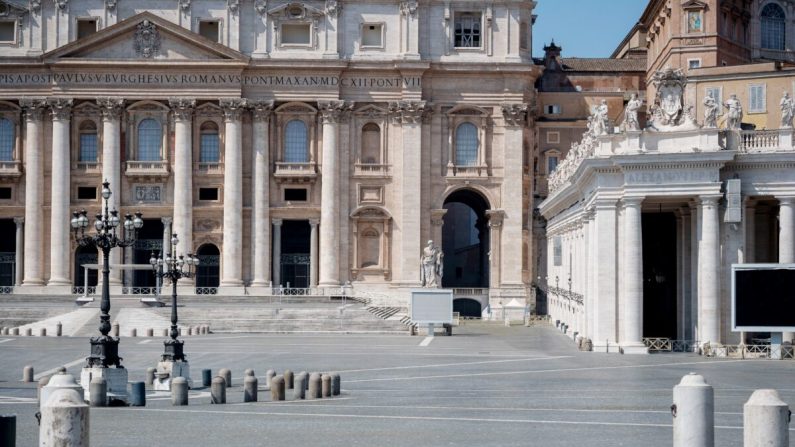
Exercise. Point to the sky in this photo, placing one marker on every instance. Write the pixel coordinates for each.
(584, 28)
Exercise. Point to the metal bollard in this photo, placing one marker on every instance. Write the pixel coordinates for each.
(277, 388)
(133, 332)
(58, 329)
(226, 373)
(115, 329)
(250, 384)
(64, 419)
(766, 420)
(27, 374)
(137, 394)
(43, 332)
(150, 332)
(693, 411)
(268, 376)
(29, 332)
(326, 385)
(288, 379)
(98, 388)
(336, 384)
(218, 390)
(299, 385)
(207, 377)
(8, 430)
(314, 387)
(179, 391)
(248, 372)
(150, 375)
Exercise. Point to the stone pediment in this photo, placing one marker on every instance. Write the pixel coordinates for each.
(693, 4)
(145, 37)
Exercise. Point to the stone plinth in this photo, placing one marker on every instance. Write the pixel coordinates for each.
(116, 379)
(168, 370)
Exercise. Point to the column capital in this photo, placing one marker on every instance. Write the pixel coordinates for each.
(408, 112)
(34, 108)
(495, 218)
(19, 221)
(334, 112)
(710, 200)
(277, 222)
(605, 204)
(314, 222)
(261, 109)
(110, 108)
(515, 115)
(437, 217)
(786, 200)
(61, 108)
(166, 220)
(182, 108)
(632, 202)
(408, 8)
(233, 108)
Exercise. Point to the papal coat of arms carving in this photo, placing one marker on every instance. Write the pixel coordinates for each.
(147, 39)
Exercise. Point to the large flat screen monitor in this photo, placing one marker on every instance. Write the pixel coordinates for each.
(763, 297)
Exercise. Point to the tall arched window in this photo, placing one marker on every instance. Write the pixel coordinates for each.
(150, 140)
(295, 142)
(773, 27)
(371, 144)
(209, 144)
(466, 145)
(88, 142)
(6, 140)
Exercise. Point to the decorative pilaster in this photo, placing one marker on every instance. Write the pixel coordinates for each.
(496, 221)
(605, 293)
(333, 113)
(409, 24)
(709, 269)
(515, 120)
(437, 224)
(167, 232)
(633, 278)
(60, 183)
(19, 255)
(111, 109)
(260, 227)
(232, 268)
(183, 173)
(34, 198)
(750, 231)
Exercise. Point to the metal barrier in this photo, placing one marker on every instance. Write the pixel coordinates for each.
(6, 290)
(83, 290)
(206, 290)
(154, 291)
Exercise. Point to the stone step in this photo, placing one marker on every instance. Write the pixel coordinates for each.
(14, 316)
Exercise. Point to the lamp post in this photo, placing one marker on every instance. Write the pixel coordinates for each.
(173, 268)
(105, 349)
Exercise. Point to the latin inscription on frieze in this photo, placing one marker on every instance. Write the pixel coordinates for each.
(671, 177)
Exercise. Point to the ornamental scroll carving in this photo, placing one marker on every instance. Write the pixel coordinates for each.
(34, 108)
(146, 40)
(233, 5)
(261, 6)
(110, 4)
(111, 108)
(184, 5)
(408, 112)
(335, 111)
(61, 4)
(333, 8)
(514, 114)
(61, 108)
(408, 7)
(182, 107)
(233, 108)
(262, 109)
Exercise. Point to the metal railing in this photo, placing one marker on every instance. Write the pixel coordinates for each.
(470, 291)
(6, 290)
(154, 291)
(83, 290)
(206, 290)
(566, 294)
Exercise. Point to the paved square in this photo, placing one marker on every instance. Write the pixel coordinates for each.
(487, 385)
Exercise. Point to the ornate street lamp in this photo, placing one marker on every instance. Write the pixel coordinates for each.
(105, 349)
(173, 268)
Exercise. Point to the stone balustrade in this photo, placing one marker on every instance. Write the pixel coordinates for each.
(147, 168)
(10, 168)
(284, 169)
(371, 170)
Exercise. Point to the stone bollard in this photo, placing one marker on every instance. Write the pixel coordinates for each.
(336, 384)
(204, 330)
(207, 377)
(179, 391)
(43, 332)
(15, 331)
(98, 388)
(765, 420)
(165, 332)
(277, 388)
(64, 420)
(115, 329)
(137, 394)
(150, 375)
(299, 385)
(326, 385)
(28, 332)
(133, 332)
(27, 374)
(8, 430)
(218, 390)
(250, 384)
(150, 332)
(314, 387)
(248, 372)
(58, 329)
(190, 331)
(42, 383)
(197, 330)
(269, 376)
(306, 382)
(226, 373)
(694, 412)
(288, 379)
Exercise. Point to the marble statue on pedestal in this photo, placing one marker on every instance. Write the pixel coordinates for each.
(735, 113)
(787, 110)
(600, 122)
(710, 112)
(431, 266)
(631, 113)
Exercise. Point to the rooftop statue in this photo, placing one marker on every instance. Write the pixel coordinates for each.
(631, 122)
(711, 112)
(787, 110)
(735, 114)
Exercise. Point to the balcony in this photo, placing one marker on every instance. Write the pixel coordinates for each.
(209, 168)
(777, 55)
(295, 172)
(87, 167)
(467, 172)
(11, 168)
(147, 169)
(756, 141)
(371, 170)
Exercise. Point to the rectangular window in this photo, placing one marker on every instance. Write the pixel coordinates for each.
(552, 109)
(208, 193)
(553, 137)
(210, 151)
(552, 164)
(5, 193)
(86, 27)
(557, 251)
(757, 98)
(467, 31)
(295, 195)
(87, 193)
(296, 34)
(693, 63)
(373, 35)
(88, 147)
(8, 31)
(210, 29)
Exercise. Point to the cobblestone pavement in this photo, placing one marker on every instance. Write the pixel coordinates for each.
(486, 385)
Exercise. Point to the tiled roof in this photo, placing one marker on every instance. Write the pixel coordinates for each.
(603, 64)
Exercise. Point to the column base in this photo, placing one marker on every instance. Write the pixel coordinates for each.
(609, 347)
(260, 290)
(231, 290)
(116, 379)
(58, 289)
(32, 289)
(635, 348)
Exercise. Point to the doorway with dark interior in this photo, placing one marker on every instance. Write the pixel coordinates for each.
(659, 275)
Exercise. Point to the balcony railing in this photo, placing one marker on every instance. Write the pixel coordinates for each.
(758, 140)
(292, 170)
(209, 168)
(88, 167)
(10, 168)
(777, 55)
(371, 170)
(147, 168)
(467, 171)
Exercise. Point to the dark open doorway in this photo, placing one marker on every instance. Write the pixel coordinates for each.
(208, 273)
(295, 253)
(659, 275)
(465, 240)
(150, 240)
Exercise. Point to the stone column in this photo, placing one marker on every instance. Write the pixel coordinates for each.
(60, 246)
(232, 263)
(633, 278)
(709, 265)
(605, 292)
(333, 112)
(515, 121)
(167, 232)
(34, 197)
(786, 238)
(695, 244)
(277, 252)
(313, 261)
(260, 221)
(183, 174)
(407, 233)
(686, 244)
(111, 109)
(19, 256)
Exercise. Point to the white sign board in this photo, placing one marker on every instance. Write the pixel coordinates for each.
(432, 306)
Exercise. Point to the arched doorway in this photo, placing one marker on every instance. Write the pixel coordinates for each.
(467, 307)
(83, 256)
(465, 240)
(208, 274)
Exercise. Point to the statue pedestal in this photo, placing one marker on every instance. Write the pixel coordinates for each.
(167, 370)
(115, 378)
